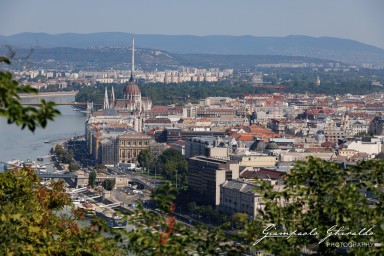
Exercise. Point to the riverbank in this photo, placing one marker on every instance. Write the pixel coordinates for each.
(48, 94)
(24, 144)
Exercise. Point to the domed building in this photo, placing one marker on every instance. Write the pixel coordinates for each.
(272, 148)
(258, 146)
(132, 101)
(132, 91)
(133, 104)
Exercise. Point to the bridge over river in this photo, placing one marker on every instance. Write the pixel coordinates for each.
(73, 180)
(65, 104)
(60, 99)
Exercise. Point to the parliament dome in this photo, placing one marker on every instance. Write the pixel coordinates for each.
(131, 90)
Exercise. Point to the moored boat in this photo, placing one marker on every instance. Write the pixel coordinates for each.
(17, 164)
(12, 164)
(41, 168)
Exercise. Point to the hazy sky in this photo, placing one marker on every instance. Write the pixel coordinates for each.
(361, 20)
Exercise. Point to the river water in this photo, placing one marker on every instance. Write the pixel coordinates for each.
(24, 144)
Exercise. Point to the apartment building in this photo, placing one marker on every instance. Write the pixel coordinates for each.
(205, 174)
(238, 196)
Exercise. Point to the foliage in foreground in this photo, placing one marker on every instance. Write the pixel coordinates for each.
(12, 109)
(160, 234)
(31, 223)
(318, 196)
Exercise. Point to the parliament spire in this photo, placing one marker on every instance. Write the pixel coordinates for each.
(133, 60)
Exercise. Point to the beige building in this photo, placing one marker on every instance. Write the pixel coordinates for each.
(238, 196)
(255, 160)
(348, 152)
(303, 156)
(205, 175)
(241, 196)
(333, 135)
(205, 112)
(206, 146)
(358, 128)
(371, 148)
(130, 145)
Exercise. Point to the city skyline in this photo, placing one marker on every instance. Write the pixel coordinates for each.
(351, 19)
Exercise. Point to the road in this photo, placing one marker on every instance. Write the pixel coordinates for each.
(125, 198)
(150, 183)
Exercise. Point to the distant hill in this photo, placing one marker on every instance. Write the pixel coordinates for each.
(336, 49)
(118, 58)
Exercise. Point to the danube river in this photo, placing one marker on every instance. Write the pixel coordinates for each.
(24, 144)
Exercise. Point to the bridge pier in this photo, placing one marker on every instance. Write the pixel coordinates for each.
(70, 179)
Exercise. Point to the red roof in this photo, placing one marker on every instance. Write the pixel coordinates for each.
(132, 89)
(243, 137)
(157, 109)
(123, 103)
(180, 142)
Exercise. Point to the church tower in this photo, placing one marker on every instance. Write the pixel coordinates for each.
(132, 60)
(112, 98)
(132, 94)
(131, 90)
(106, 102)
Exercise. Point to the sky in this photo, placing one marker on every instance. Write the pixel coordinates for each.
(360, 20)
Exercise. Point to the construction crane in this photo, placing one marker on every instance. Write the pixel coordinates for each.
(96, 125)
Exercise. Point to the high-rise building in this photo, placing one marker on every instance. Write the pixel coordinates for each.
(205, 174)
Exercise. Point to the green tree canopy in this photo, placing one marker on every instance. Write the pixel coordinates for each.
(171, 161)
(239, 219)
(160, 234)
(145, 158)
(73, 167)
(108, 184)
(318, 196)
(92, 179)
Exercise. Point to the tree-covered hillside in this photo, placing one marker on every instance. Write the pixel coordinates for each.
(299, 82)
